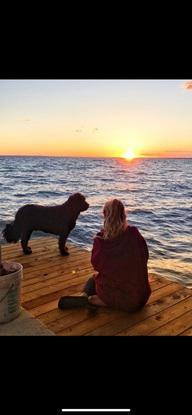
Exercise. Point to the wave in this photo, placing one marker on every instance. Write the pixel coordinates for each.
(142, 211)
(156, 193)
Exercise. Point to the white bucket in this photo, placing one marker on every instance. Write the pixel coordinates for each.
(10, 292)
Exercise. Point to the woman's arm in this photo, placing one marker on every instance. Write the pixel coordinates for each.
(145, 248)
(143, 243)
(96, 255)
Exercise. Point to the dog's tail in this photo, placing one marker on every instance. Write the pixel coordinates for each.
(12, 232)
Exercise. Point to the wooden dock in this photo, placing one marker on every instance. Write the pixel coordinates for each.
(48, 276)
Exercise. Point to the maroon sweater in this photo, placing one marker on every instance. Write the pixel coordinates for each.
(122, 279)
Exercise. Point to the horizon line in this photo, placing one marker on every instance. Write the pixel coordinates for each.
(115, 157)
(96, 410)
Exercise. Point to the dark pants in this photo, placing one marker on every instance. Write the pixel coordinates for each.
(89, 287)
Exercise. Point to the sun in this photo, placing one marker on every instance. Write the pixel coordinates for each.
(129, 155)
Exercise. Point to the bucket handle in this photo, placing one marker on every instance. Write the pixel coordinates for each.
(9, 289)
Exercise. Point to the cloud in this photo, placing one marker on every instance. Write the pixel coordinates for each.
(95, 130)
(80, 130)
(188, 85)
(25, 120)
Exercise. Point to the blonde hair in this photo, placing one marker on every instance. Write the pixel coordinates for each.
(114, 218)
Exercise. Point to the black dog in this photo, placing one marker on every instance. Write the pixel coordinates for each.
(59, 220)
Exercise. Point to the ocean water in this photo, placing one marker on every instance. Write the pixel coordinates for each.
(157, 194)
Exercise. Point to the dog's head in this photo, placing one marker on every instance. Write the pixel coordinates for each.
(78, 200)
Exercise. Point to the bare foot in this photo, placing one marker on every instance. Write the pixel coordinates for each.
(83, 294)
(64, 253)
(94, 299)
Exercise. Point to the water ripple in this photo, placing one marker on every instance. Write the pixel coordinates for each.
(156, 193)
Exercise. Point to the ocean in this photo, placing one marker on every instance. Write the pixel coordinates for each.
(157, 194)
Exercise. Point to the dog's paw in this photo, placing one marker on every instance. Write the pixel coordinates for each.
(64, 253)
(27, 251)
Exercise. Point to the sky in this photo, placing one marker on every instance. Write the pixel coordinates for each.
(98, 118)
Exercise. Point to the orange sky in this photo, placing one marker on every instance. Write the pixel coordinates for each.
(100, 118)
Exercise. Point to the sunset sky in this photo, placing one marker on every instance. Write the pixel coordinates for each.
(101, 118)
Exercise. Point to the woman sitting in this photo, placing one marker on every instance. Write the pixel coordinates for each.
(119, 256)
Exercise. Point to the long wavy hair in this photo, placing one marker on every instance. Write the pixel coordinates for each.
(114, 219)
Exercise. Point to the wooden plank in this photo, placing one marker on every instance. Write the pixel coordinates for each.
(60, 282)
(78, 318)
(162, 291)
(37, 248)
(83, 325)
(150, 324)
(44, 308)
(72, 270)
(46, 256)
(51, 277)
(57, 262)
(122, 323)
(187, 332)
(175, 327)
(55, 315)
(48, 267)
(101, 318)
(48, 240)
(53, 288)
(48, 276)
(51, 257)
(35, 302)
(124, 317)
(51, 266)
